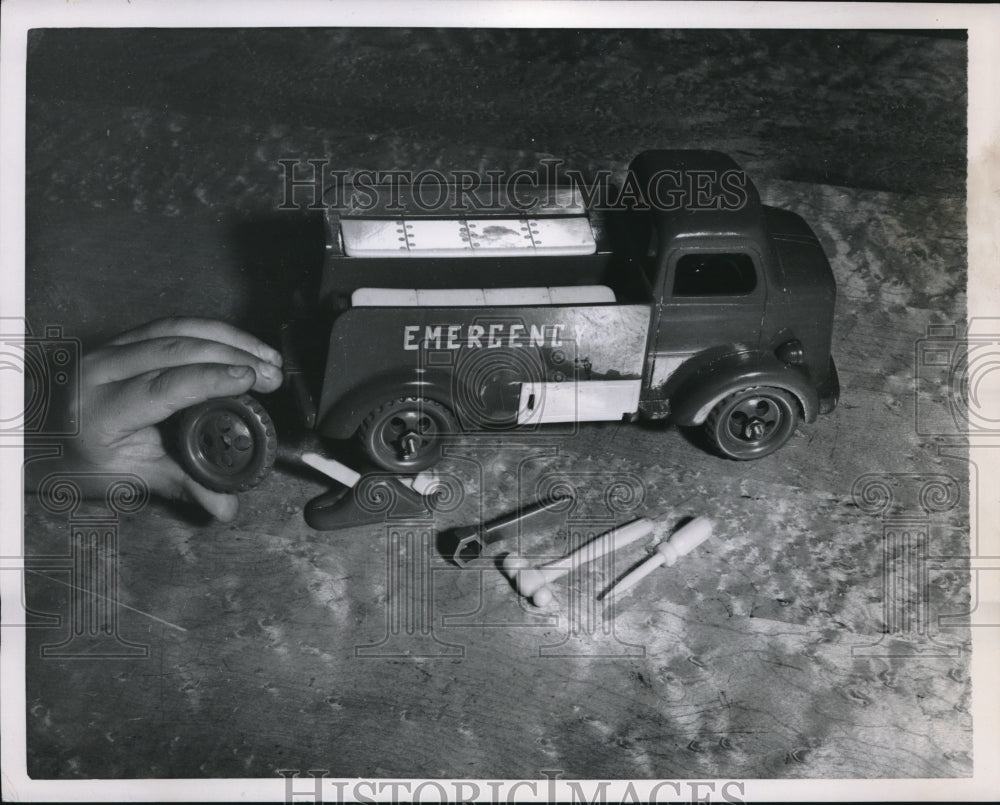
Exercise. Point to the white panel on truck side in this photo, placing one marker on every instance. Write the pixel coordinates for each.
(577, 401)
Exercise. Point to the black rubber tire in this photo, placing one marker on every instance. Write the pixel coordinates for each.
(426, 421)
(227, 444)
(752, 423)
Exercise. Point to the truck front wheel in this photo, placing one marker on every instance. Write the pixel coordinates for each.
(405, 435)
(752, 423)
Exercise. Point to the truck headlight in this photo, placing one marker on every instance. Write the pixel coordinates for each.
(791, 352)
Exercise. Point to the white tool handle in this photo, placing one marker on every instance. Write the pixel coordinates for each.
(687, 538)
(637, 575)
(423, 483)
(596, 548)
(532, 582)
(669, 551)
(332, 469)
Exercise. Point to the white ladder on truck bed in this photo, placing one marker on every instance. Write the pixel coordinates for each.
(483, 297)
(460, 237)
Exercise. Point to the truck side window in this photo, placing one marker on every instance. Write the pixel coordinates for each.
(714, 275)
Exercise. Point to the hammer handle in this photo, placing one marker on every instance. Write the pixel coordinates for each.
(596, 548)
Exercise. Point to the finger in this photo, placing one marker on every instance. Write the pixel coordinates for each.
(207, 329)
(174, 483)
(122, 361)
(220, 505)
(152, 397)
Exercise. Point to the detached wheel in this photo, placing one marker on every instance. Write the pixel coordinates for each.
(405, 435)
(229, 444)
(752, 423)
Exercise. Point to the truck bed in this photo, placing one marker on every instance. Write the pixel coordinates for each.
(576, 252)
(462, 238)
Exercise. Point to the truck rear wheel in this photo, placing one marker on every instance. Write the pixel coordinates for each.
(228, 444)
(752, 423)
(405, 435)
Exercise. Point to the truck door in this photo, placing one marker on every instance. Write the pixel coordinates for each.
(709, 298)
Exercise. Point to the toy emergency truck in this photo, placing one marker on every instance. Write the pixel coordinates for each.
(694, 302)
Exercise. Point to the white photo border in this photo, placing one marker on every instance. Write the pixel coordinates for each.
(18, 16)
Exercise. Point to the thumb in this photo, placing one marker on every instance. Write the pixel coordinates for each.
(221, 506)
(177, 484)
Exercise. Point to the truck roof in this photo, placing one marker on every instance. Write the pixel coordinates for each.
(699, 194)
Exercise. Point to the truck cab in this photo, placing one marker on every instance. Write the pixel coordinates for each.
(744, 299)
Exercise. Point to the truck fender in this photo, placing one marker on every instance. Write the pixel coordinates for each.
(346, 414)
(692, 402)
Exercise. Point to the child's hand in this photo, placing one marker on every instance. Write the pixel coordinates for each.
(142, 377)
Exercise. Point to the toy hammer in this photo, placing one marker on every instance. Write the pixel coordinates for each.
(532, 582)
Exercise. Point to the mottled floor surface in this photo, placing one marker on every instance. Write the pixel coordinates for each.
(790, 645)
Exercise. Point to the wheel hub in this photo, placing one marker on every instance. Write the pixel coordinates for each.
(754, 419)
(752, 423)
(409, 432)
(225, 442)
(410, 443)
(754, 430)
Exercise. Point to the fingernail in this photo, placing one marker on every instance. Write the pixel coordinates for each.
(238, 371)
(270, 372)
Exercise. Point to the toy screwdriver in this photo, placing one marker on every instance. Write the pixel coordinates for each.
(685, 540)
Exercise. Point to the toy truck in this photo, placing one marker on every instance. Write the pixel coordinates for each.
(693, 301)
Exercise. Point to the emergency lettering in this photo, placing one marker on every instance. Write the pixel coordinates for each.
(478, 336)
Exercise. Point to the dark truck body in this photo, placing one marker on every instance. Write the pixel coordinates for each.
(702, 315)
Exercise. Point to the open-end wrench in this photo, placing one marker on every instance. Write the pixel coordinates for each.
(473, 539)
